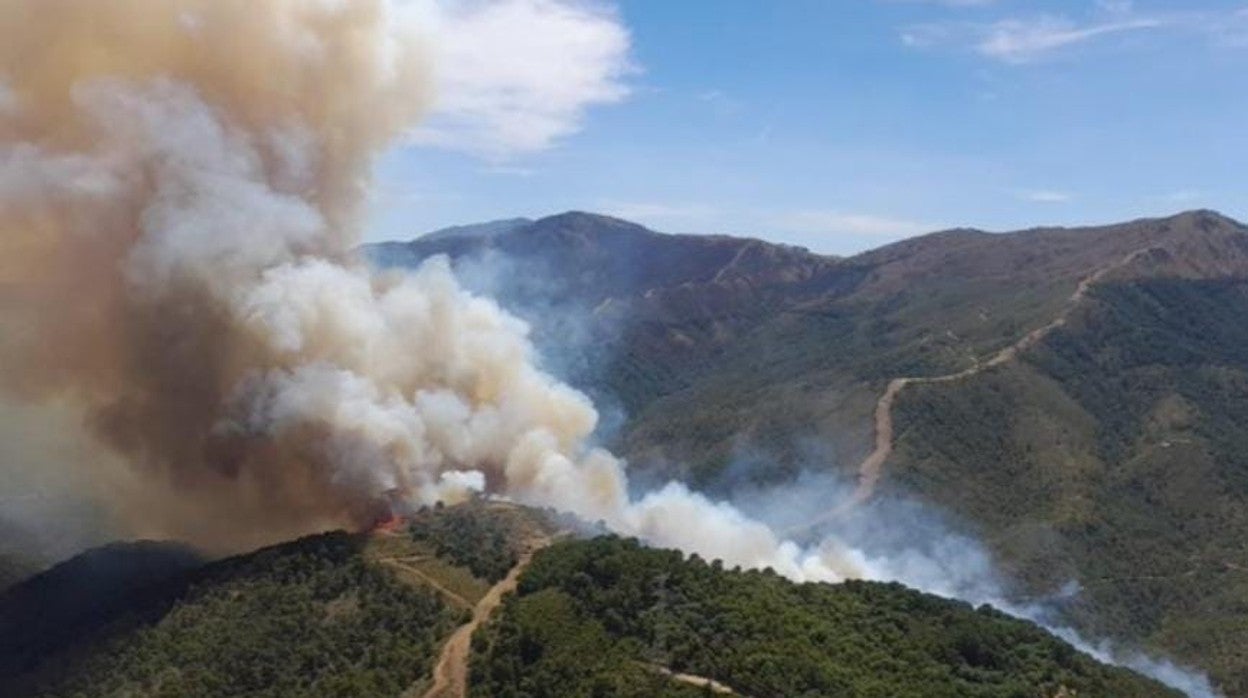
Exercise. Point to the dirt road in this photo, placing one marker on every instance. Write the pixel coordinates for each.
(872, 468)
(450, 675)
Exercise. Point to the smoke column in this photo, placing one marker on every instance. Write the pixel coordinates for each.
(180, 184)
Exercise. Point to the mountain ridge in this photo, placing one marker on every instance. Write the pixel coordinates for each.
(727, 379)
(337, 614)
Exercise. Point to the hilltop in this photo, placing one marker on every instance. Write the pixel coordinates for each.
(392, 612)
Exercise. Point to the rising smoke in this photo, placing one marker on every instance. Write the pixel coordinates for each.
(181, 183)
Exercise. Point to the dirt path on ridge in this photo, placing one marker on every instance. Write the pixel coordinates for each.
(872, 467)
(450, 674)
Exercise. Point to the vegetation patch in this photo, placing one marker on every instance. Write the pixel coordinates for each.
(1113, 455)
(306, 618)
(589, 612)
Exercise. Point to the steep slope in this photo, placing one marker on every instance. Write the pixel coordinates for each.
(424, 608)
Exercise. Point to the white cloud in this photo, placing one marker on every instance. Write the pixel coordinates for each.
(1045, 196)
(1019, 41)
(512, 76)
(1025, 39)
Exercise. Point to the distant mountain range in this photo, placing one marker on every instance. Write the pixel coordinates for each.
(1075, 397)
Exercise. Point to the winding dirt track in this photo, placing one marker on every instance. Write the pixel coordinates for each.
(450, 675)
(872, 468)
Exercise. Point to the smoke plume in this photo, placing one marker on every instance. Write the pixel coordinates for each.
(180, 184)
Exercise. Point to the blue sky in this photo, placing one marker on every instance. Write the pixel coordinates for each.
(836, 125)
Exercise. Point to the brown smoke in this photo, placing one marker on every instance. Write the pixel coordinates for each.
(156, 158)
(179, 186)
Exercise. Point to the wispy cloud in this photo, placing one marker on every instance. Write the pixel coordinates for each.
(1020, 41)
(1045, 196)
(512, 76)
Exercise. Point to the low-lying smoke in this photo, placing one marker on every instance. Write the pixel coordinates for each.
(909, 542)
(180, 187)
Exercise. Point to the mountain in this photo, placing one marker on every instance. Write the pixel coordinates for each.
(427, 608)
(1073, 397)
(598, 258)
(487, 230)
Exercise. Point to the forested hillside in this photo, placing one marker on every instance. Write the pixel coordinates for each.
(371, 614)
(610, 617)
(1114, 454)
(306, 618)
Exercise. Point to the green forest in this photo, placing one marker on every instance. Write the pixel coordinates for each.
(306, 618)
(1113, 455)
(359, 615)
(590, 612)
